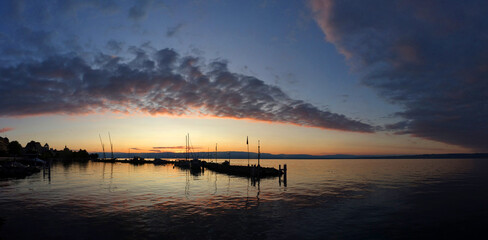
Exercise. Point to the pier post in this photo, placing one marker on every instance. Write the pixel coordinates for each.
(259, 171)
(284, 172)
(46, 170)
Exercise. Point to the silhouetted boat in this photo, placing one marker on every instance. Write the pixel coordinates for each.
(158, 161)
(111, 160)
(14, 169)
(105, 159)
(137, 160)
(111, 149)
(195, 163)
(103, 149)
(182, 163)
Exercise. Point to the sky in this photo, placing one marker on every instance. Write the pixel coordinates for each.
(302, 77)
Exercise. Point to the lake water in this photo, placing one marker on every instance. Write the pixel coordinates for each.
(322, 199)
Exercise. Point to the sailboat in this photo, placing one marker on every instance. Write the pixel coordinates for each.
(103, 148)
(111, 148)
(104, 159)
(195, 163)
(189, 162)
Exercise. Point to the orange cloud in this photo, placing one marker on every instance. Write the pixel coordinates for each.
(6, 129)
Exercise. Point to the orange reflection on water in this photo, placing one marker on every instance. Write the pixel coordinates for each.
(93, 187)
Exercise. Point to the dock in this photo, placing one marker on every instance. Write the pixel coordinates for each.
(251, 171)
(245, 171)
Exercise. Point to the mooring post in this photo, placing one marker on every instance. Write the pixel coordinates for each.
(284, 177)
(254, 172)
(259, 171)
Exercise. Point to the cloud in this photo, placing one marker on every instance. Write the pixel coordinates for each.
(173, 30)
(139, 10)
(430, 57)
(154, 82)
(174, 147)
(115, 46)
(6, 129)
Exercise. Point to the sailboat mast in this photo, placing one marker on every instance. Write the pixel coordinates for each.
(259, 152)
(103, 147)
(191, 154)
(216, 152)
(247, 142)
(111, 146)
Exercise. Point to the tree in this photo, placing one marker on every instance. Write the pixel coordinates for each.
(94, 156)
(33, 147)
(14, 148)
(46, 155)
(83, 154)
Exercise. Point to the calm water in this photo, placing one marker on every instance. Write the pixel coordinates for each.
(323, 199)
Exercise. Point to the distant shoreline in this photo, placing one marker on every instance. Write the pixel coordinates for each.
(243, 155)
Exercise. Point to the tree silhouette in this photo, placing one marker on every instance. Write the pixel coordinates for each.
(14, 148)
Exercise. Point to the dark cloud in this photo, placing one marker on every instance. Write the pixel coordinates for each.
(173, 147)
(115, 46)
(173, 30)
(139, 10)
(5, 129)
(154, 82)
(430, 57)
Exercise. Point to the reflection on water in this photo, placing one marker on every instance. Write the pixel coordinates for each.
(361, 199)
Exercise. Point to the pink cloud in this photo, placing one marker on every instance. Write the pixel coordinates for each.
(6, 129)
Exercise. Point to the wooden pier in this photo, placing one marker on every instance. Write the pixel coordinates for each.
(253, 171)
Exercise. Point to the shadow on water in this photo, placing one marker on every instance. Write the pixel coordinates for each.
(82, 166)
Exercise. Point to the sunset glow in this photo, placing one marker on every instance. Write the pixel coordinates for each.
(300, 85)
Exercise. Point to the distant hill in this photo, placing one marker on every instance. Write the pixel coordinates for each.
(243, 155)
